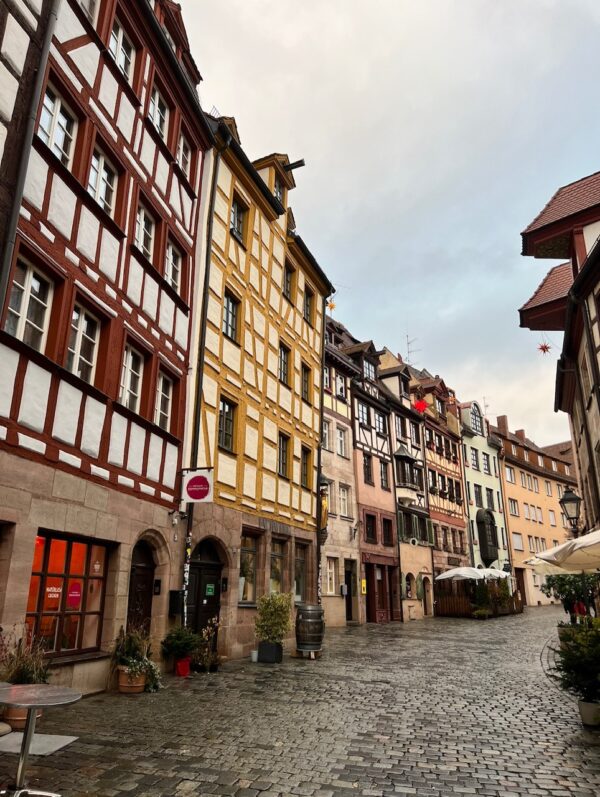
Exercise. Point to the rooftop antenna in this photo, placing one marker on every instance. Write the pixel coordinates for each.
(486, 406)
(214, 112)
(410, 350)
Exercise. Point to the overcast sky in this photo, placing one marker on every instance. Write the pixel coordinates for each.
(433, 132)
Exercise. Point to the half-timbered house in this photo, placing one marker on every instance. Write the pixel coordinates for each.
(94, 340)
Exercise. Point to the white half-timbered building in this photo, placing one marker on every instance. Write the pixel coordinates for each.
(94, 340)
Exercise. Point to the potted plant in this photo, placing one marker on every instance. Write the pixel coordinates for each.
(205, 658)
(481, 614)
(22, 661)
(136, 672)
(180, 643)
(578, 671)
(272, 624)
(569, 589)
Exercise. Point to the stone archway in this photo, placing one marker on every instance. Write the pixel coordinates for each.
(141, 586)
(205, 586)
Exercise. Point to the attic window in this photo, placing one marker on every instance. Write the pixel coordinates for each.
(369, 370)
(278, 190)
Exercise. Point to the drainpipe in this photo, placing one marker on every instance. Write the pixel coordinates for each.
(27, 139)
(465, 500)
(319, 472)
(200, 374)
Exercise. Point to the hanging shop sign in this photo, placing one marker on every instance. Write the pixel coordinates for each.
(197, 486)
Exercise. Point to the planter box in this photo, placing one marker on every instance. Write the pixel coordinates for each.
(270, 652)
(131, 686)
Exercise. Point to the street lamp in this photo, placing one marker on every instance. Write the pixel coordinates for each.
(571, 505)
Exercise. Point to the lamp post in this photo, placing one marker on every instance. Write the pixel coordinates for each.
(571, 505)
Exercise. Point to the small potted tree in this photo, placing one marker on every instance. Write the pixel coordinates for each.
(180, 643)
(136, 672)
(205, 658)
(22, 661)
(272, 624)
(578, 671)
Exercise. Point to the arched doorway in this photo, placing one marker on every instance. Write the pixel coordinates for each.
(204, 594)
(141, 586)
(427, 597)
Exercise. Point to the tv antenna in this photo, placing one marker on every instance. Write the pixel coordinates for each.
(486, 406)
(410, 350)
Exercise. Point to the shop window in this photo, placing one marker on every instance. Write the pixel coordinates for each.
(300, 559)
(66, 593)
(277, 563)
(248, 570)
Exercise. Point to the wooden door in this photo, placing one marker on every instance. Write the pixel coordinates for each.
(141, 587)
(208, 593)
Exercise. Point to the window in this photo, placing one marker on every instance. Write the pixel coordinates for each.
(510, 474)
(415, 434)
(341, 442)
(300, 572)
(277, 560)
(326, 378)
(57, 127)
(559, 490)
(526, 512)
(432, 479)
(475, 458)
(28, 315)
(380, 425)
(278, 188)
(282, 455)
(331, 575)
(83, 344)
(288, 282)
(363, 414)
(305, 383)
(121, 49)
(158, 113)
(369, 370)
(400, 427)
(387, 531)
(131, 378)
(370, 528)
(384, 474)
(89, 8)
(164, 401)
(173, 266)
(531, 544)
(478, 495)
(486, 463)
(540, 460)
(66, 593)
(230, 316)
(331, 497)
(476, 420)
(326, 435)
(529, 482)
(368, 468)
(309, 301)
(102, 182)
(440, 406)
(523, 479)
(489, 498)
(247, 569)
(554, 543)
(184, 155)
(238, 220)
(552, 517)
(144, 232)
(526, 455)
(442, 484)
(567, 470)
(517, 540)
(226, 424)
(284, 364)
(554, 467)
(457, 492)
(344, 494)
(340, 386)
(536, 485)
(540, 517)
(513, 507)
(513, 448)
(305, 474)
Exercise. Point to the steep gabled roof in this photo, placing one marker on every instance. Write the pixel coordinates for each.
(555, 285)
(567, 201)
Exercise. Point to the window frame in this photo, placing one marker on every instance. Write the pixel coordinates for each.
(283, 364)
(171, 249)
(142, 214)
(283, 458)
(231, 315)
(120, 37)
(305, 383)
(238, 216)
(23, 316)
(125, 379)
(159, 122)
(66, 157)
(162, 378)
(227, 425)
(79, 334)
(305, 468)
(104, 163)
(308, 305)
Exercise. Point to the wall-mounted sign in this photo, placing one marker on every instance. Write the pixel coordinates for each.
(74, 595)
(197, 486)
(210, 590)
(363, 586)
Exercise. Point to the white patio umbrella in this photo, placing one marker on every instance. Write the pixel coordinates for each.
(576, 556)
(461, 574)
(491, 572)
(542, 568)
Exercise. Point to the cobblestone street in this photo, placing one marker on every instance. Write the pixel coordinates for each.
(433, 708)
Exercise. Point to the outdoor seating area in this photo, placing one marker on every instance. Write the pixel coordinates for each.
(479, 593)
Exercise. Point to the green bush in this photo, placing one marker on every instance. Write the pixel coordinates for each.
(482, 595)
(23, 660)
(273, 618)
(132, 652)
(180, 642)
(481, 614)
(578, 663)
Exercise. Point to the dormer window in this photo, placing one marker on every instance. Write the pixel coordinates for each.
(440, 406)
(369, 370)
(404, 383)
(476, 420)
(121, 49)
(158, 113)
(279, 189)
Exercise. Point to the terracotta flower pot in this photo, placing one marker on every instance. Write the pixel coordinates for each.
(17, 717)
(590, 713)
(131, 686)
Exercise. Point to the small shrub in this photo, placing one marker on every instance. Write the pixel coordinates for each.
(22, 658)
(273, 618)
(578, 664)
(180, 642)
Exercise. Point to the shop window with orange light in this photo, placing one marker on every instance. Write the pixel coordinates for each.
(66, 593)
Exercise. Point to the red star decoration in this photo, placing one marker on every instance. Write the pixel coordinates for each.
(544, 348)
(420, 405)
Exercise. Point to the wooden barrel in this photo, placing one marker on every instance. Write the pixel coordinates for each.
(310, 627)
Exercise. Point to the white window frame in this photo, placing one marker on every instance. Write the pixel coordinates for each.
(326, 435)
(331, 571)
(22, 316)
(89, 9)
(513, 504)
(523, 478)
(49, 135)
(517, 541)
(340, 385)
(342, 441)
(141, 231)
(76, 351)
(117, 47)
(548, 488)
(326, 377)
(172, 268)
(344, 496)
(540, 517)
(552, 517)
(103, 170)
(510, 474)
(127, 372)
(158, 117)
(184, 160)
(161, 418)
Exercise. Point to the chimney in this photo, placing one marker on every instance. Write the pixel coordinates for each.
(502, 424)
(399, 358)
(521, 434)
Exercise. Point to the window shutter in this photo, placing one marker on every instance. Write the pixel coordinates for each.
(430, 534)
(403, 584)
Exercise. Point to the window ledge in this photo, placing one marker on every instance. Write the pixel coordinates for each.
(244, 605)
(163, 283)
(77, 658)
(159, 141)
(184, 179)
(236, 236)
(109, 62)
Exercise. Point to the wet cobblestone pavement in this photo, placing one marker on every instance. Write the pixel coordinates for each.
(434, 708)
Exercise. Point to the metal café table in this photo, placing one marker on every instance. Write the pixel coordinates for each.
(32, 697)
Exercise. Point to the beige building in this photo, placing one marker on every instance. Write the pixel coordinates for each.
(533, 483)
(260, 411)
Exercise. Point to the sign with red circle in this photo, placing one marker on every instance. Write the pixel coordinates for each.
(198, 486)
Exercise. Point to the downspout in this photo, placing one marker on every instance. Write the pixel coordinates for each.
(13, 222)
(596, 387)
(465, 500)
(319, 447)
(397, 532)
(200, 374)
